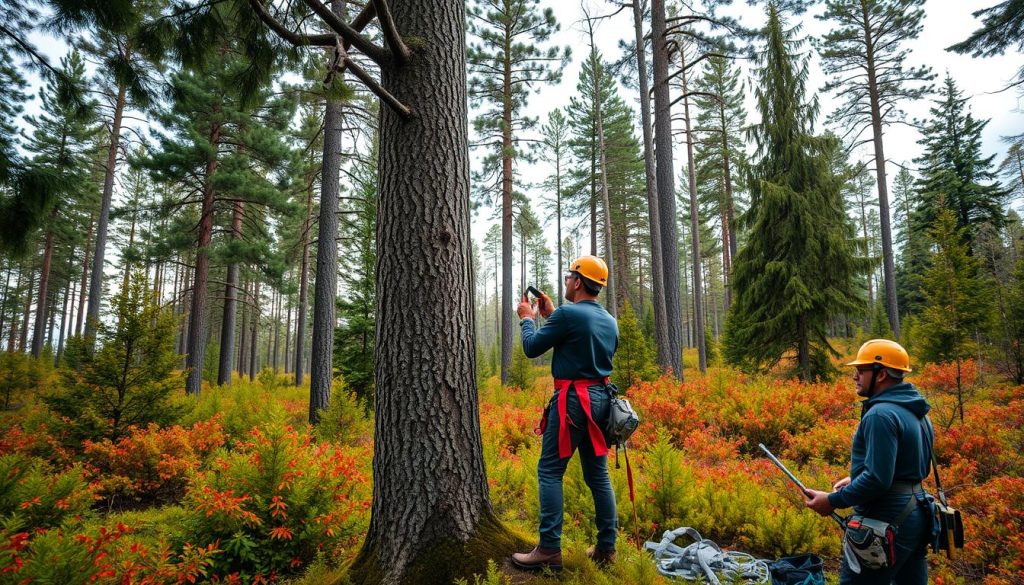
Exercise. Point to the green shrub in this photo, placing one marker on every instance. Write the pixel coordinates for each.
(130, 379)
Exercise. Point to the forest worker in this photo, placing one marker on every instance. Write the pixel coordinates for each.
(890, 458)
(584, 337)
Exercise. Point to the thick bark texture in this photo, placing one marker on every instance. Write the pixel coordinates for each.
(431, 518)
(669, 233)
(197, 318)
(653, 213)
(227, 330)
(507, 321)
(325, 291)
(96, 282)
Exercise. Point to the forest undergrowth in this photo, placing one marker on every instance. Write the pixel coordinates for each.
(241, 490)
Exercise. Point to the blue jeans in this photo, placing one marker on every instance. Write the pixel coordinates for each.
(912, 539)
(551, 469)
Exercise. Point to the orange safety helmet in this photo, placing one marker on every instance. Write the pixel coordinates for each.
(884, 352)
(591, 268)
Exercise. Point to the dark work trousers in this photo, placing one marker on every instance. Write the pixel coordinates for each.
(912, 539)
(551, 469)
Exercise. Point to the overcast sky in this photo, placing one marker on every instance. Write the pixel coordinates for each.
(946, 22)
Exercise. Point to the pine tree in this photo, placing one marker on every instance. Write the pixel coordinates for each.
(720, 150)
(555, 151)
(634, 358)
(507, 59)
(798, 267)
(956, 299)
(863, 55)
(59, 142)
(904, 199)
(131, 378)
(1011, 169)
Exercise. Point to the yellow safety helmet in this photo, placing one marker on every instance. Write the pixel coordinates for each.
(591, 268)
(885, 352)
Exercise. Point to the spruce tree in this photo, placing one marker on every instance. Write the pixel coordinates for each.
(953, 169)
(508, 57)
(798, 268)
(634, 358)
(956, 299)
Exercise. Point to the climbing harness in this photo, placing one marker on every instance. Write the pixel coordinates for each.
(705, 559)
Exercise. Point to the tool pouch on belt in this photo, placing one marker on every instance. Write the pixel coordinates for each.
(622, 419)
(869, 543)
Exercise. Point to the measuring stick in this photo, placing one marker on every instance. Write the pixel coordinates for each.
(793, 478)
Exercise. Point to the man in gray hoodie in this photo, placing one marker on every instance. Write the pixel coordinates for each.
(891, 456)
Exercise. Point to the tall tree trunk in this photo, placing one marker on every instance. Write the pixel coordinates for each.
(431, 518)
(611, 302)
(666, 186)
(255, 325)
(729, 243)
(303, 309)
(867, 252)
(558, 227)
(66, 321)
(325, 292)
(507, 334)
(80, 319)
(242, 361)
(288, 336)
(96, 282)
(44, 283)
(63, 322)
(698, 287)
(888, 264)
(23, 340)
(14, 316)
(277, 332)
(197, 319)
(227, 326)
(661, 340)
(3, 300)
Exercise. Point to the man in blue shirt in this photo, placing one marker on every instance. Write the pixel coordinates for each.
(584, 337)
(891, 456)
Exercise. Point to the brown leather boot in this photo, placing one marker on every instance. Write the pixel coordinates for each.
(600, 556)
(539, 559)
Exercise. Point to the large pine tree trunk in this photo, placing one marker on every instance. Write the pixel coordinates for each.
(96, 282)
(431, 518)
(888, 265)
(506, 224)
(197, 317)
(227, 327)
(661, 341)
(14, 314)
(728, 220)
(666, 187)
(303, 308)
(23, 340)
(695, 262)
(326, 287)
(255, 325)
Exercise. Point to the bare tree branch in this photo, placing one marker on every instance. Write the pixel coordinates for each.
(391, 36)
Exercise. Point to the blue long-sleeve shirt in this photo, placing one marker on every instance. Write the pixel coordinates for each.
(583, 335)
(889, 446)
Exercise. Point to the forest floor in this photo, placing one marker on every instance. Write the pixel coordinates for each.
(241, 489)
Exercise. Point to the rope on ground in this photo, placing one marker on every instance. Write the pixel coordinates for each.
(705, 559)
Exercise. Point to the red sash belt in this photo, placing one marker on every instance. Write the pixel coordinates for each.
(596, 436)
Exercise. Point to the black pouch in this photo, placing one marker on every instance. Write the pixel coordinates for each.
(805, 569)
(951, 529)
